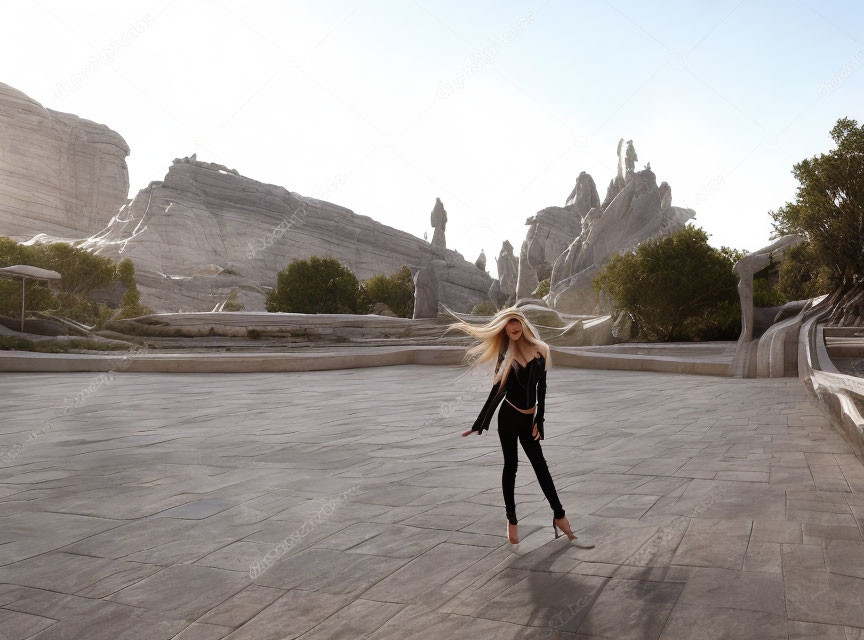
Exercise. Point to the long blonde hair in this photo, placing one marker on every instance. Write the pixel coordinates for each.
(495, 341)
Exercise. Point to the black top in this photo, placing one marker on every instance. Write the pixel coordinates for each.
(526, 386)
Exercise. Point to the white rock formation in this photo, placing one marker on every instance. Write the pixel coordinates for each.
(480, 262)
(636, 210)
(584, 196)
(60, 175)
(439, 223)
(206, 229)
(550, 232)
(507, 265)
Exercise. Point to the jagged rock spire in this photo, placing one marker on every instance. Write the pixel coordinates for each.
(439, 223)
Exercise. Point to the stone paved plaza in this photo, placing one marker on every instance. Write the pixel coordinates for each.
(720, 508)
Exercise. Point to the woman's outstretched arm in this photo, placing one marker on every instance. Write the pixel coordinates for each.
(541, 400)
(492, 402)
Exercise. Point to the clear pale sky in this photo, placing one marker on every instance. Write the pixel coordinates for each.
(495, 107)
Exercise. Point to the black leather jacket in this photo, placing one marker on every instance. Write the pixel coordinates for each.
(516, 394)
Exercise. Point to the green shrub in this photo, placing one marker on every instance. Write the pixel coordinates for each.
(542, 288)
(80, 270)
(13, 343)
(75, 307)
(720, 322)
(485, 308)
(130, 305)
(103, 315)
(232, 304)
(317, 285)
(13, 253)
(396, 291)
(38, 296)
(676, 287)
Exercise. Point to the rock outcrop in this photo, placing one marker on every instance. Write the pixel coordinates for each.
(480, 262)
(439, 223)
(425, 293)
(635, 210)
(550, 232)
(626, 166)
(569, 244)
(206, 229)
(584, 196)
(60, 175)
(508, 274)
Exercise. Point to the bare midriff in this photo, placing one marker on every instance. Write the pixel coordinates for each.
(525, 411)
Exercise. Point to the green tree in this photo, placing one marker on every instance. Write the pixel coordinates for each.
(12, 253)
(485, 308)
(37, 292)
(396, 291)
(802, 275)
(38, 296)
(672, 285)
(317, 285)
(81, 270)
(125, 272)
(829, 212)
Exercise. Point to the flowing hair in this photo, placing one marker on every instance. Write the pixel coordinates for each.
(495, 341)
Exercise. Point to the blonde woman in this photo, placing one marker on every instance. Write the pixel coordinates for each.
(520, 379)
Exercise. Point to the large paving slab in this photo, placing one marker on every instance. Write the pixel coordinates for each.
(346, 504)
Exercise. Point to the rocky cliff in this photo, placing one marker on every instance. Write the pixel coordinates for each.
(59, 174)
(205, 229)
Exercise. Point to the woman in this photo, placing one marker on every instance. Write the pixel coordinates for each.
(521, 382)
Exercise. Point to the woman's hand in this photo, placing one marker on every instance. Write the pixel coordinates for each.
(470, 431)
(535, 432)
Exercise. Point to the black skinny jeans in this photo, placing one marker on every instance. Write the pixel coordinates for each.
(512, 426)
